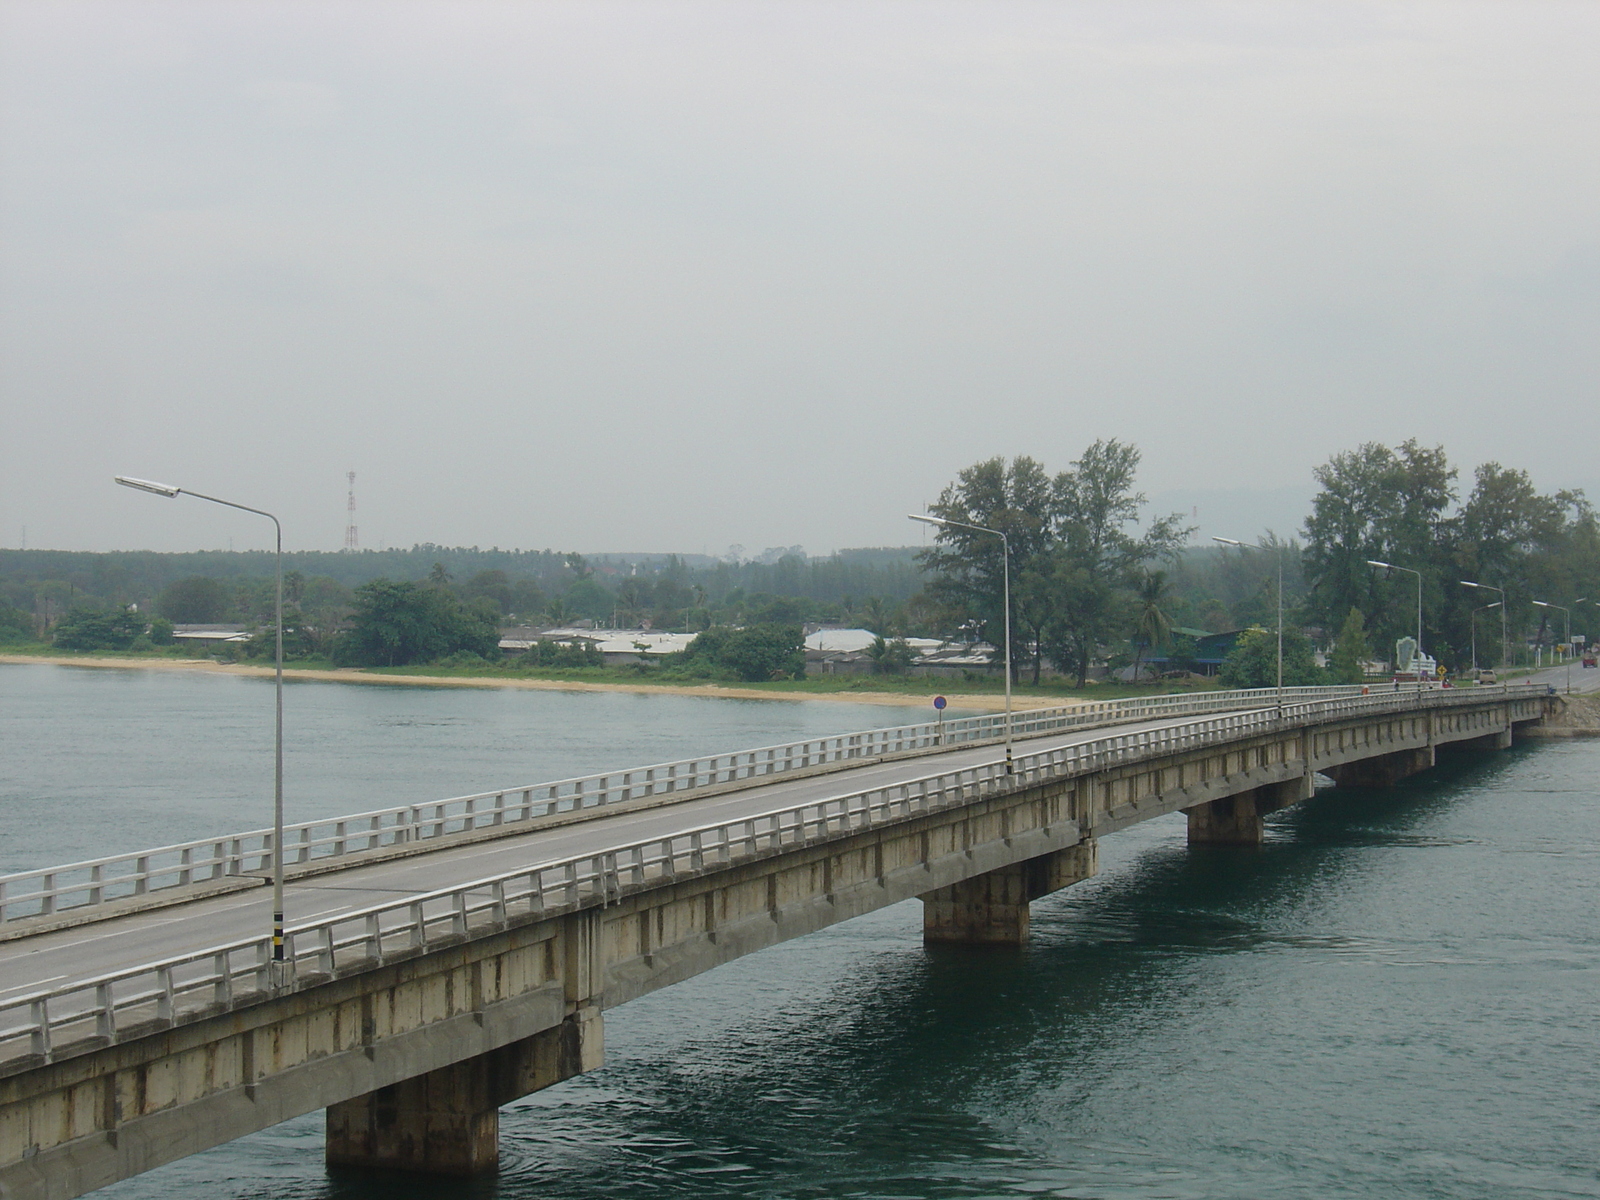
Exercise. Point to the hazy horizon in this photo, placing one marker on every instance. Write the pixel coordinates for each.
(703, 273)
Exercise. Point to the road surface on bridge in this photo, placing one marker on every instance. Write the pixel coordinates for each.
(53, 960)
(1584, 680)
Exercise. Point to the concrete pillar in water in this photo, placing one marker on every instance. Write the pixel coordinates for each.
(1237, 820)
(447, 1121)
(992, 908)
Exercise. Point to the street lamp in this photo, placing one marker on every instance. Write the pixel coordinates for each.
(1473, 620)
(1575, 603)
(1005, 575)
(1567, 615)
(1246, 546)
(1505, 649)
(165, 489)
(1372, 562)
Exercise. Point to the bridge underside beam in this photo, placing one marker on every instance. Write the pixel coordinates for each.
(992, 909)
(1384, 770)
(447, 1121)
(1499, 740)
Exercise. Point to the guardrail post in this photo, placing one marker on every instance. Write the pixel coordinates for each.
(105, 1014)
(39, 1013)
(164, 993)
(326, 949)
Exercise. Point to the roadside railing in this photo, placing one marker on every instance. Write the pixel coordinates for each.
(83, 885)
(75, 1017)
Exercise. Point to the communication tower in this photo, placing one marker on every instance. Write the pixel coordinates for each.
(351, 540)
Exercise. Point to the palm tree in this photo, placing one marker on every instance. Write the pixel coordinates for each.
(878, 614)
(1152, 627)
(890, 657)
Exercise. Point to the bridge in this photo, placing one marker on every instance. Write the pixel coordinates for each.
(447, 958)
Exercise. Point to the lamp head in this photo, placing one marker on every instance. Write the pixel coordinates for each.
(1372, 562)
(1226, 541)
(1541, 604)
(146, 485)
(1469, 583)
(926, 520)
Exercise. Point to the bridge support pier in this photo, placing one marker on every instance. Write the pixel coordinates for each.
(1383, 771)
(447, 1122)
(992, 909)
(1237, 820)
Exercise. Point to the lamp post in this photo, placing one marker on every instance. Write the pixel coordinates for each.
(1372, 562)
(1504, 641)
(1473, 620)
(166, 489)
(1247, 546)
(1005, 576)
(1575, 603)
(1567, 615)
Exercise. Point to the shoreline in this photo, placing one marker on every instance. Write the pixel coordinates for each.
(982, 702)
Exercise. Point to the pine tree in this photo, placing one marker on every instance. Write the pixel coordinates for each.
(1350, 650)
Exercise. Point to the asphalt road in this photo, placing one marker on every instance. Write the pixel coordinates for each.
(53, 960)
(1584, 679)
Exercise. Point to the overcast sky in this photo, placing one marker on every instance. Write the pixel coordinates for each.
(670, 276)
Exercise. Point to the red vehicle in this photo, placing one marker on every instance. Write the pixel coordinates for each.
(1591, 661)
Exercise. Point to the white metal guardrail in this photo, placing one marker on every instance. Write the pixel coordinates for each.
(83, 885)
(72, 1018)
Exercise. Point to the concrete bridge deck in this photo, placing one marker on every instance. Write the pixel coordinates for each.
(428, 987)
(121, 942)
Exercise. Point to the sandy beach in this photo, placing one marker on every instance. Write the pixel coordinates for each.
(983, 702)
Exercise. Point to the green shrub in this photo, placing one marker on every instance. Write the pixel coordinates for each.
(89, 629)
(15, 624)
(396, 624)
(1253, 661)
(543, 655)
(755, 653)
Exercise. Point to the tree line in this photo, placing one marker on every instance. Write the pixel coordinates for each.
(1407, 506)
(39, 588)
(1091, 584)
